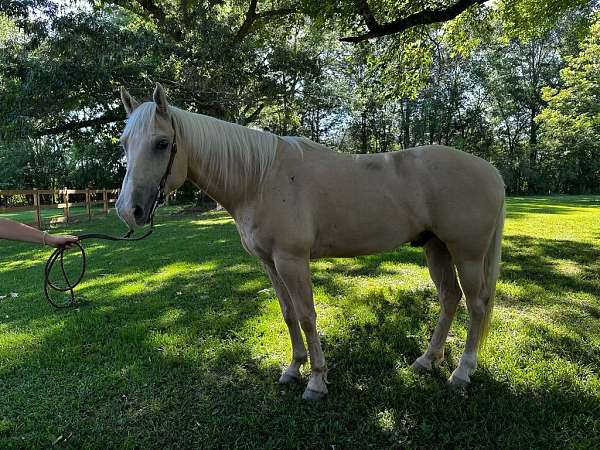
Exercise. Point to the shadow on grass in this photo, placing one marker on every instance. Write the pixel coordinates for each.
(536, 262)
(101, 370)
(120, 384)
(556, 344)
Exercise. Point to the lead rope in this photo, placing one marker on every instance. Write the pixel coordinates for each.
(58, 253)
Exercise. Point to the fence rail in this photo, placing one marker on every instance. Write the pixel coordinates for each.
(36, 201)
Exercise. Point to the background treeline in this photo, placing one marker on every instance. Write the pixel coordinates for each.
(515, 82)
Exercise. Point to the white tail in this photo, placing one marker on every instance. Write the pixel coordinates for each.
(492, 272)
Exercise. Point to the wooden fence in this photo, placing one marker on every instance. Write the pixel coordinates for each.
(37, 200)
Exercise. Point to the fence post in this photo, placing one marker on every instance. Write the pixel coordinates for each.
(105, 201)
(88, 204)
(66, 202)
(36, 203)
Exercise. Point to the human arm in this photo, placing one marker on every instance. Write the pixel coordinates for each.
(9, 229)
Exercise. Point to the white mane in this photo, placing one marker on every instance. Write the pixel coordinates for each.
(228, 153)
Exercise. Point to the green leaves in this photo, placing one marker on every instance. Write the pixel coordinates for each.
(531, 19)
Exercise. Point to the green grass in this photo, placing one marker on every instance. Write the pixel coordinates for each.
(179, 346)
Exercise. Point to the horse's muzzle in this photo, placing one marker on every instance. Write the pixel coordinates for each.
(136, 208)
(140, 215)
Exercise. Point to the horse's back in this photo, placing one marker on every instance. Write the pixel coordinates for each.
(432, 170)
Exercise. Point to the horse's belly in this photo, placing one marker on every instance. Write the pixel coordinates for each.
(333, 251)
(363, 221)
(347, 241)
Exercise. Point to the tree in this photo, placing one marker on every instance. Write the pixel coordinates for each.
(405, 79)
(61, 78)
(571, 120)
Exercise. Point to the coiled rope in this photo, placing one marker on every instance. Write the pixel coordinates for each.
(58, 256)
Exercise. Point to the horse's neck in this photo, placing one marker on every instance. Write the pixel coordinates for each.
(216, 190)
(224, 178)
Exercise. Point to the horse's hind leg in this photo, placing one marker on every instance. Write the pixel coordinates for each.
(299, 355)
(472, 280)
(443, 275)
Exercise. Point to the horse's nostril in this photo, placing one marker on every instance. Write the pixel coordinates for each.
(138, 212)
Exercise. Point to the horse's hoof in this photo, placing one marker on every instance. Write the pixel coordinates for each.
(419, 368)
(311, 395)
(457, 383)
(287, 378)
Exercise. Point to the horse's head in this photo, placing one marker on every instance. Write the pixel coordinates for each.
(148, 141)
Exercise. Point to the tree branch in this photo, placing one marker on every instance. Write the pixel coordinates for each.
(152, 11)
(252, 16)
(425, 17)
(248, 21)
(246, 120)
(368, 17)
(111, 116)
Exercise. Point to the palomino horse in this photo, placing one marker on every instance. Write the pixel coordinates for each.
(294, 200)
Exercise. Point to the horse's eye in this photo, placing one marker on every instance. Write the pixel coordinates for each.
(162, 145)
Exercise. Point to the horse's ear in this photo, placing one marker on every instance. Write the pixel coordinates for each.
(160, 99)
(129, 102)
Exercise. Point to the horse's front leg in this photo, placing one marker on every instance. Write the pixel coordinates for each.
(292, 373)
(295, 274)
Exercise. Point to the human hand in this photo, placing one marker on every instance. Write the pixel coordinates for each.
(61, 240)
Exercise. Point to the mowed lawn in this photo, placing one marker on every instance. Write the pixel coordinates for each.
(180, 342)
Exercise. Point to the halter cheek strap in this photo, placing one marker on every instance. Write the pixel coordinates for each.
(160, 196)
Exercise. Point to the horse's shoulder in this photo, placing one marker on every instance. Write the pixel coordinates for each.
(305, 144)
(436, 154)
